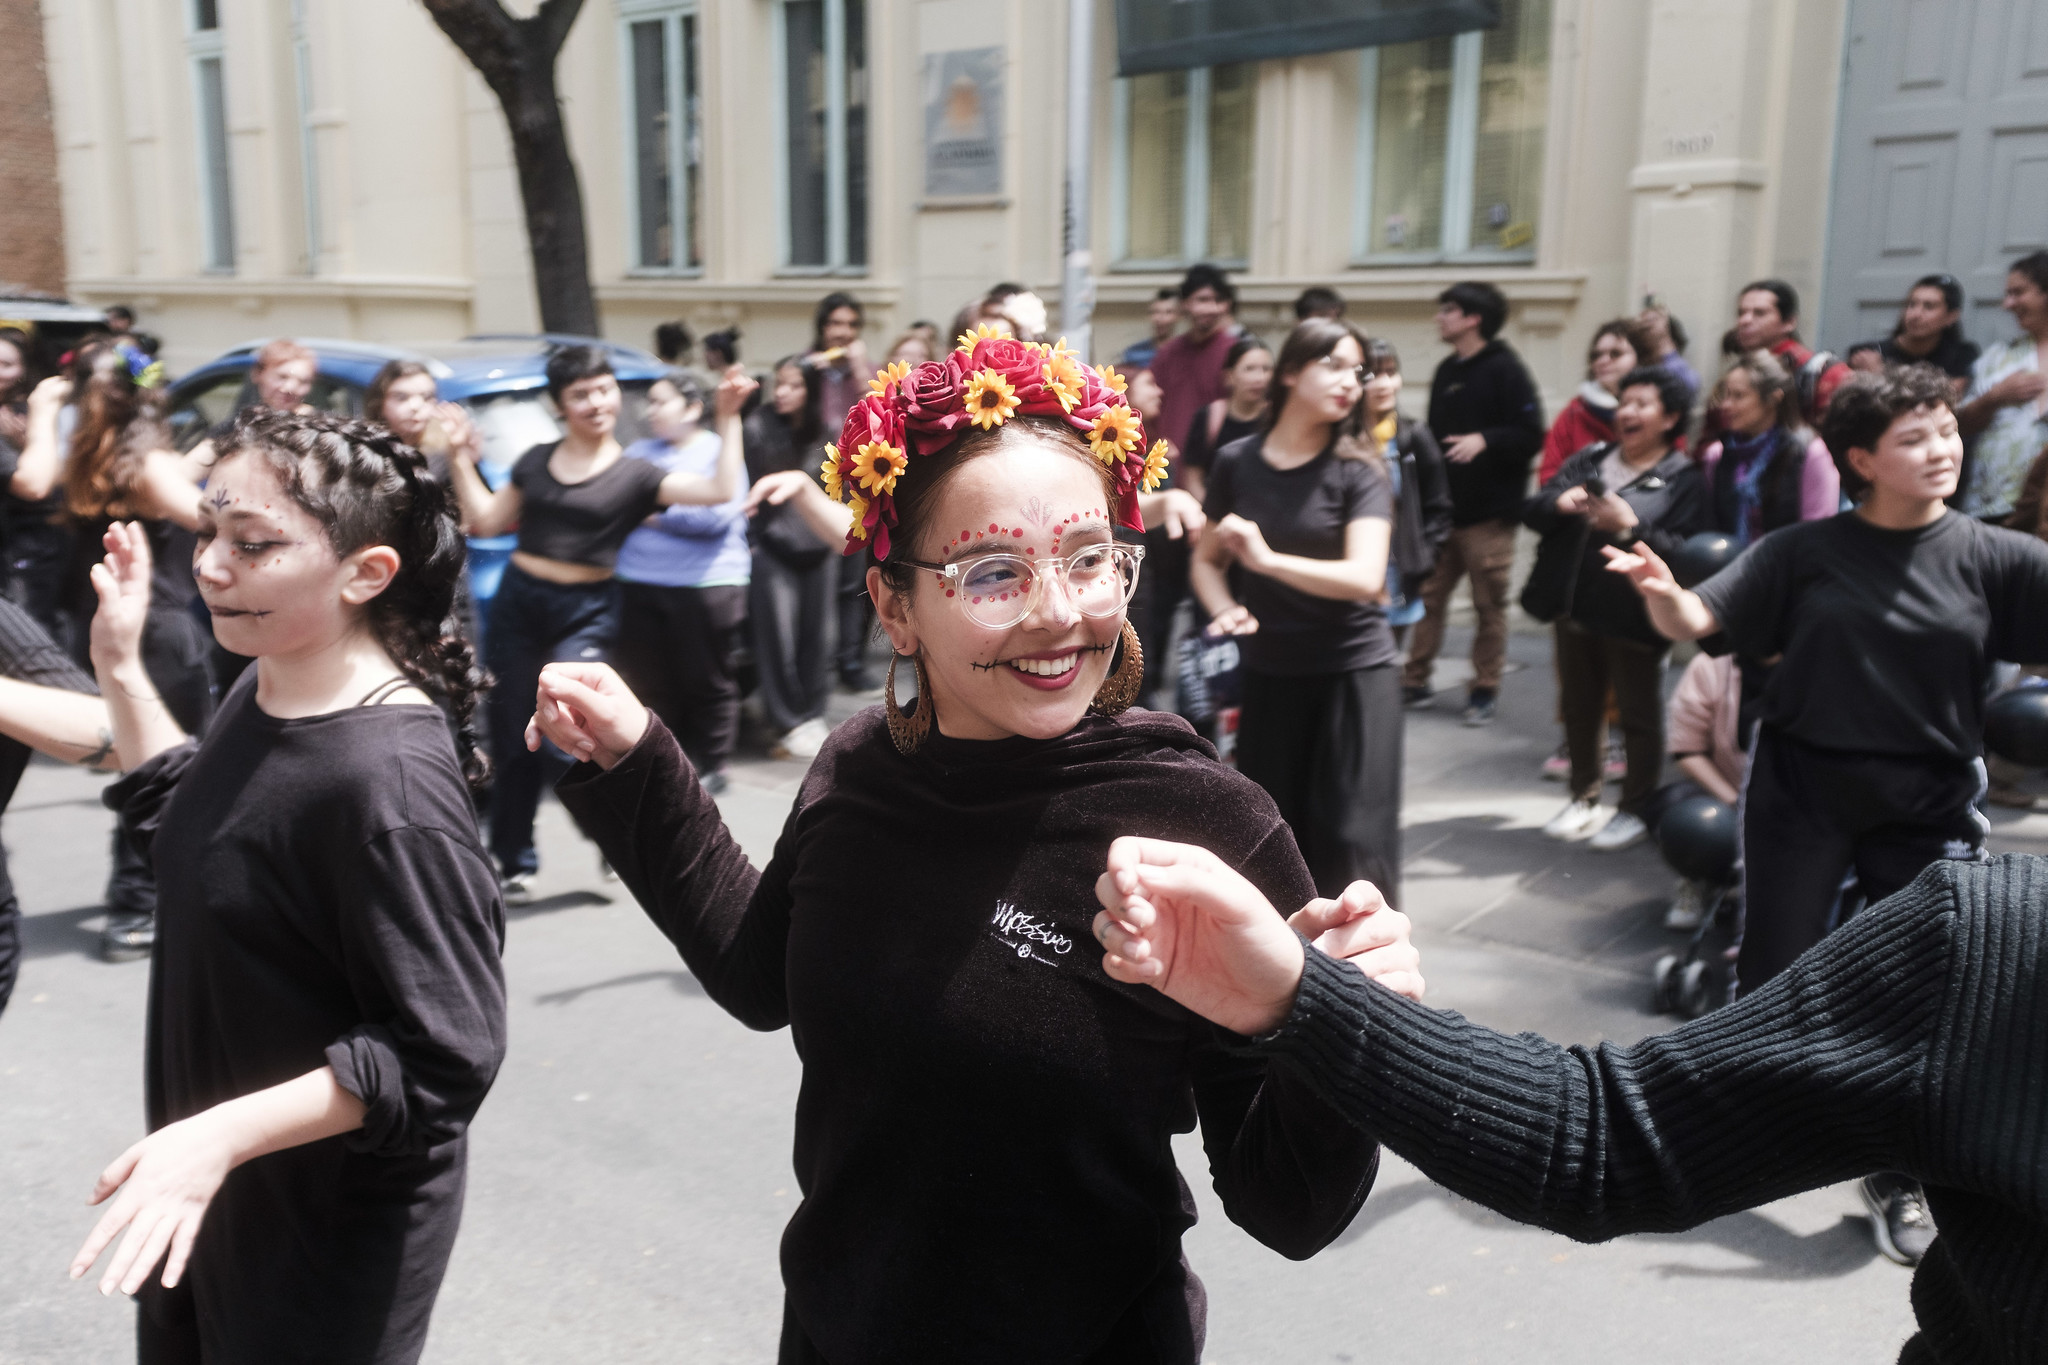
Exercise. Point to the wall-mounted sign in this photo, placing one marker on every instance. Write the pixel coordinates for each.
(963, 122)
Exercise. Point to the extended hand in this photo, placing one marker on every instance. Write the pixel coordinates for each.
(734, 390)
(462, 438)
(1178, 919)
(1177, 511)
(588, 712)
(122, 582)
(775, 489)
(1236, 619)
(49, 395)
(1243, 539)
(1465, 449)
(165, 1183)
(1642, 567)
(1360, 927)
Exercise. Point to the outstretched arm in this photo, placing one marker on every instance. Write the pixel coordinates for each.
(637, 796)
(1677, 613)
(729, 480)
(72, 727)
(142, 724)
(1814, 1078)
(167, 1180)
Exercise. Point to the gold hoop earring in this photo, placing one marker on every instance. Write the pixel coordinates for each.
(907, 732)
(1120, 689)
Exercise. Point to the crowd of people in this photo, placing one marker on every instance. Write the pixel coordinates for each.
(329, 793)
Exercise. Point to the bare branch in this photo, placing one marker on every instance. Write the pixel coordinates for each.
(485, 33)
(553, 20)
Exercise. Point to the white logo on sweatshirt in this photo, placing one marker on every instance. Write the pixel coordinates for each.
(1024, 934)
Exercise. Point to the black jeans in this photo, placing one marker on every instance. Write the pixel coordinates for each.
(28, 654)
(534, 623)
(791, 607)
(855, 615)
(1327, 749)
(678, 651)
(1162, 584)
(1588, 666)
(1810, 816)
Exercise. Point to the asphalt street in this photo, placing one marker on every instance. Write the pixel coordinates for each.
(630, 1172)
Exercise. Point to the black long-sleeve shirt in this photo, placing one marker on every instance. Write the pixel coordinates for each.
(982, 1133)
(1490, 393)
(322, 900)
(1914, 1039)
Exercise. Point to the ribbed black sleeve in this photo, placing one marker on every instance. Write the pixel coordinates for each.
(1913, 1039)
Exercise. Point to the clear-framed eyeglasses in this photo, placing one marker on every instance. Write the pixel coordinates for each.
(999, 590)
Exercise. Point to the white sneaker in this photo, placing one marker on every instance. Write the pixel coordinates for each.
(1576, 820)
(804, 741)
(1623, 831)
(1684, 915)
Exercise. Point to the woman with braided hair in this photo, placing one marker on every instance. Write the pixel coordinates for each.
(983, 1134)
(326, 1009)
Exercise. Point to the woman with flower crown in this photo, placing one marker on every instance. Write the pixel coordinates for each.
(983, 1135)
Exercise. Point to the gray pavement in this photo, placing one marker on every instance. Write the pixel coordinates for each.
(631, 1172)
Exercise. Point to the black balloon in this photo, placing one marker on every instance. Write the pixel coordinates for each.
(1702, 556)
(1697, 838)
(2016, 726)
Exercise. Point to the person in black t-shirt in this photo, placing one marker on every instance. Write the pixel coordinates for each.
(1247, 376)
(1929, 331)
(574, 502)
(1301, 515)
(1868, 756)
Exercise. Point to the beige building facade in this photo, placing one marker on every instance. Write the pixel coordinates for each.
(244, 168)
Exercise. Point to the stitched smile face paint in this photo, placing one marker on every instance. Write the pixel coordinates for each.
(1031, 501)
(266, 570)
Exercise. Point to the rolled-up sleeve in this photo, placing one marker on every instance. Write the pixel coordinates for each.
(141, 794)
(422, 934)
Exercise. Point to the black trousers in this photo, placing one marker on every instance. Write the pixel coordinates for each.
(1589, 665)
(535, 623)
(27, 654)
(678, 651)
(791, 609)
(854, 615)
(1811, 816)
(1162, 584)
(1327, 749)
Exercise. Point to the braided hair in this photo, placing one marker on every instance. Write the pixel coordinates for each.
(367, 487)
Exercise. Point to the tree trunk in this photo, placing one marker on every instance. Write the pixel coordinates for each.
(516, 58)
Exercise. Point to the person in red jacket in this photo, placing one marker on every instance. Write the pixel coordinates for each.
(1618, 347)
(1767, 319)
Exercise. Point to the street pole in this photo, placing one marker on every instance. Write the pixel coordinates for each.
(1077, 279)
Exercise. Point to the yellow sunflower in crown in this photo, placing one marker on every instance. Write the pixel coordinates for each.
(981, 332)
(1111, 379)
(990, 400)
(893, 373)
(1063, 376)
(1114, 434)
(1155, 467)
(858, 505)
(877, 466)
(829, 473)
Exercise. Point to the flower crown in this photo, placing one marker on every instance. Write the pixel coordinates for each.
(988, 379)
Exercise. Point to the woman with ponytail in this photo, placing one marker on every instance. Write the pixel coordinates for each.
(326, 1008)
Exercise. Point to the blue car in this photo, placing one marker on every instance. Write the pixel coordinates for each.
(502, 380)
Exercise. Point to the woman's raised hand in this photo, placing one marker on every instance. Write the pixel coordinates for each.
(122, 582)
(1243, 540)
(588, 711)
(1235, 619)
(1177, 918)
(1360, 927)
(734, 387)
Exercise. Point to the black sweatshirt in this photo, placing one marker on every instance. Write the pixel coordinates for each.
(982, 1134)
(1914, 1039)
(1492, 394)
(322, 900)
(1888, 636)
